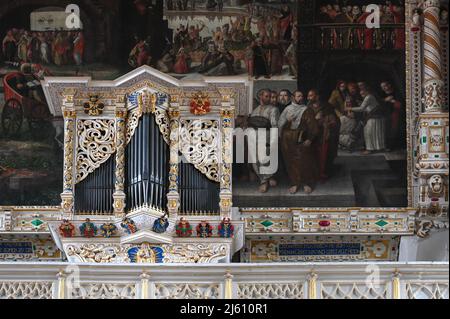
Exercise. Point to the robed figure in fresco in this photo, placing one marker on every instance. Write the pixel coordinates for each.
(299, 129)
(265, 116)
(374, 128)
(328, 141)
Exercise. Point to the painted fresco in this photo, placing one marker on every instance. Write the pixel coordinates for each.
(307, 61)
(342, 127)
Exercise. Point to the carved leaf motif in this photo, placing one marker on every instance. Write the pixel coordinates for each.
(96, 143)
(199, 144)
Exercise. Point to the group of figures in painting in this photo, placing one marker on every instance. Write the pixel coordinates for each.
(260, 41)
(50, 47)
(312, 130)
(355, 34)
(184, 5)
(183, 228)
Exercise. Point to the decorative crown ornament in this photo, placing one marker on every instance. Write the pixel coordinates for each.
(93, 107)
(200, 104)
(183, 228)
(67, 229)
(108, 230)
(88, 229)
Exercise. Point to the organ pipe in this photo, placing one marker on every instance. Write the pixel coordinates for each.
(94, 193)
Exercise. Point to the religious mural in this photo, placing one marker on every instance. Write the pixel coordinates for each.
(342, 127)
(334, 89)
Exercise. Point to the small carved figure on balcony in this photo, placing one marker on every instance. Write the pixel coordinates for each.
(88, 229)
(161, 224)
(183, 228)
(108, 230)
(204, 229)
(129, 225)
(66, 229)
(226, 229)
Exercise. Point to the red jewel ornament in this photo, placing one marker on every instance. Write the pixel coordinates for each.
(324, 223)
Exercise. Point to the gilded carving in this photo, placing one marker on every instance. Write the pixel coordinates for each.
(199, 143)
(96, 143)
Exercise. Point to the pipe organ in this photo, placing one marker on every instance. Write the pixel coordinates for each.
(95, 193)
(147, 166)
(198, 194)
(149, 143)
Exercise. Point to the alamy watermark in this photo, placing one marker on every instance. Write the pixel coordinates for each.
(73, 20)
(373, 19)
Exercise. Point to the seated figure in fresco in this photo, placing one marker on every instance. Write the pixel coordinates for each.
(347, 136)
(140, 54)
(265, 116)
(167, 61)
(217, 61)
(299, 129)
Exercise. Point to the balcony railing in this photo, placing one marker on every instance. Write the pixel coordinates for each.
(359, 37)
(225, 281)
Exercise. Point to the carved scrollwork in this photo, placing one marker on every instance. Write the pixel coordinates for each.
(194, 253)
(96, 143)
(115, 253)
(162, 120)
(132, 123)
(140, 102)
(199, 144)
(425, 226)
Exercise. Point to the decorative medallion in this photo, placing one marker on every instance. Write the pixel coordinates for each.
(93, 107)
(183, 228)
(129, 225)
(108, 230)
(66, 229)
(161, 224)
(200, 104)
(204, 229)
(226, 229)
(88, 229)
(145, 254)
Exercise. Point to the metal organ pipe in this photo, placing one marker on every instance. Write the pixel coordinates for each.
(198, 194)
(147, 166)
(93, 195)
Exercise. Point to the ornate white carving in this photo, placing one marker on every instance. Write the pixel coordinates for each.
(25, 290)
(162, 120)
(172, 253)
(98, 253)
(186, 291)
(140, 102)
(353, 290)
(200, 145)
(197, 253)
(132, 122)
(427, 290)
(96, 143)
(104, 291)
(271, 291)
